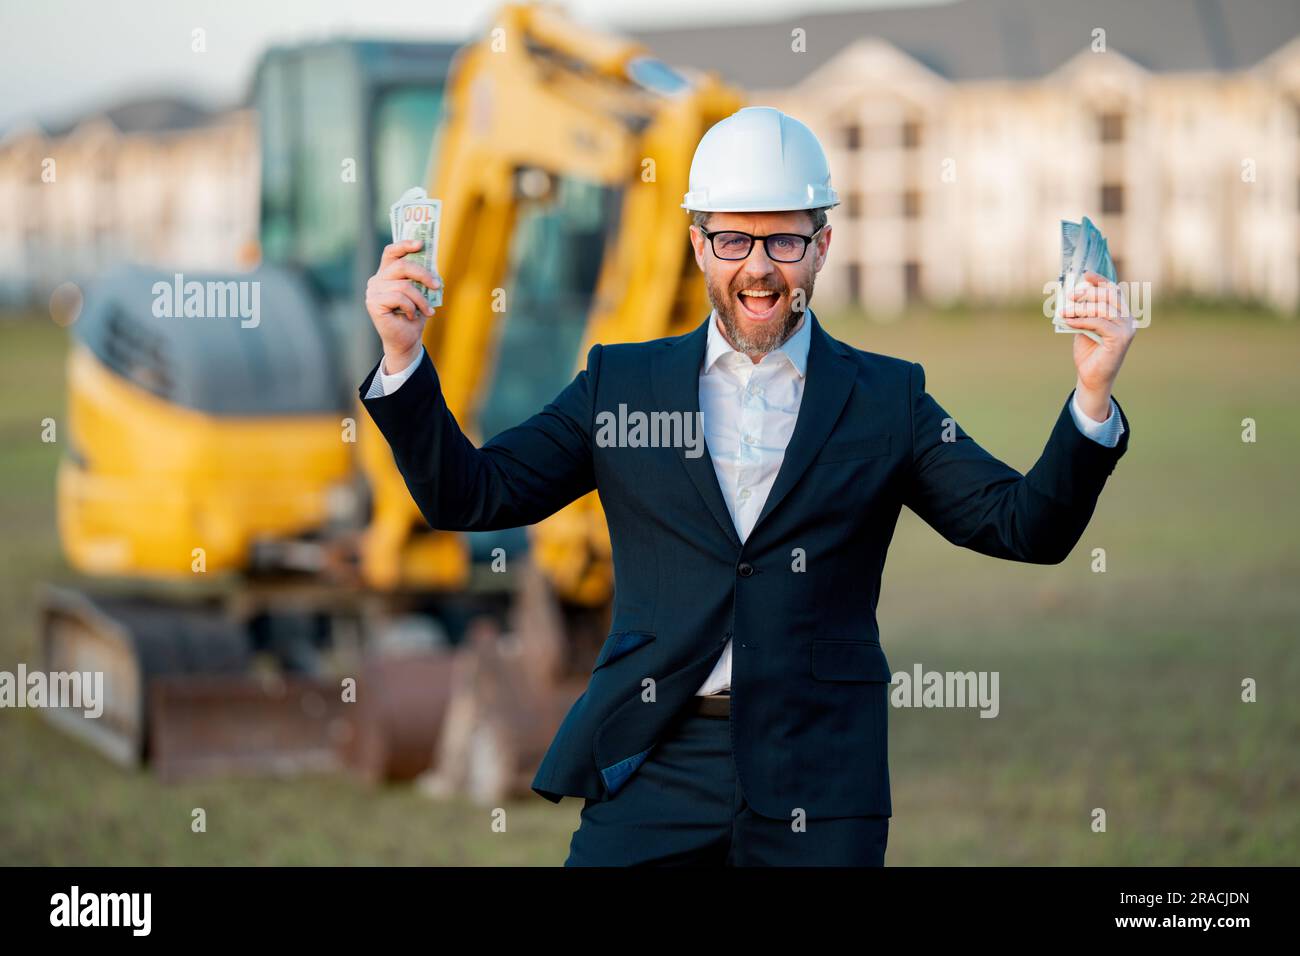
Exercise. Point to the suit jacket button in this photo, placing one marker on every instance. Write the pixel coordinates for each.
(745, 569)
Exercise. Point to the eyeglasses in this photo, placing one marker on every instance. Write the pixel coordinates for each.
(780, 246)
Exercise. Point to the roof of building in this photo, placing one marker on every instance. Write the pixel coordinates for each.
(154, 114)
(991, 39)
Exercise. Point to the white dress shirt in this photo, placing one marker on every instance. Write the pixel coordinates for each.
(749, 412)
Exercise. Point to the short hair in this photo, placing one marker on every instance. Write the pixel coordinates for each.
(818, 216)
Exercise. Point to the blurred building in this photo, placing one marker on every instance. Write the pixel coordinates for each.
(157, 181)
(960, 134)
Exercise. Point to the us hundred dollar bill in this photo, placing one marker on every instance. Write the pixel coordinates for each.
(1083, 249)
(416, 216)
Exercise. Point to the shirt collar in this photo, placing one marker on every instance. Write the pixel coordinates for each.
(794, 350)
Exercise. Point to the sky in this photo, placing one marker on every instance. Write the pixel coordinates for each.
(60, 59)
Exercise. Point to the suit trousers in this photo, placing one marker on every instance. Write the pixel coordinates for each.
(684, 806)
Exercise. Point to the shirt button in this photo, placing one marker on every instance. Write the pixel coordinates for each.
(749, 439)
(745, 569)
(744, 493)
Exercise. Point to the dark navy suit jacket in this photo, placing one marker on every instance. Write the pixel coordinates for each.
(810, 682)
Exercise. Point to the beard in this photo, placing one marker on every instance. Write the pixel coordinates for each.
(762, 338)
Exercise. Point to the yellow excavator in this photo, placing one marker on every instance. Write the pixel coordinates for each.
(266, 595)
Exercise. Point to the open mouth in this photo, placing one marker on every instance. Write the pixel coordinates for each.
(759, 304)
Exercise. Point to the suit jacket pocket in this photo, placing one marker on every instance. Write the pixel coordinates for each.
(870, 447)
(850, 661)
(620, 643)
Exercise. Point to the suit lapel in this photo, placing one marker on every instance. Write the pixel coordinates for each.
(676, 382)
(827, 384)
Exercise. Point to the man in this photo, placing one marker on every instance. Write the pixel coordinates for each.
(736, 713)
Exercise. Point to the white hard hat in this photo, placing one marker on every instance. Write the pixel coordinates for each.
(759, 160)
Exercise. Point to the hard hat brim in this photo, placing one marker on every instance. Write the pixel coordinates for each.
(757, 208)
(826, 200)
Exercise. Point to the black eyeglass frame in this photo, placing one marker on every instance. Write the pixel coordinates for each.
(807, 242)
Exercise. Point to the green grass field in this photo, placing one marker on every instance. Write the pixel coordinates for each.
(1118, 690)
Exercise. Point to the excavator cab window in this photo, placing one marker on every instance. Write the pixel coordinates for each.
(345, 129)
(402, 118)
(555, 260)
(310, 123)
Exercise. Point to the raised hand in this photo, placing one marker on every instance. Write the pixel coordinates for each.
(1099, 306)
(397, 307)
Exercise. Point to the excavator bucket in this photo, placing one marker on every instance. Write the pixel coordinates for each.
(205, 726)
(399, 712)
(178, 691)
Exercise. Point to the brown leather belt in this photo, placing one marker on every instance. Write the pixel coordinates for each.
(712, 705)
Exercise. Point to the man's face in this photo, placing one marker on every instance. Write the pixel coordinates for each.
(756, 324)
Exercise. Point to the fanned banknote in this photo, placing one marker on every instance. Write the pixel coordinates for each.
(416, 216)
(1083, 249)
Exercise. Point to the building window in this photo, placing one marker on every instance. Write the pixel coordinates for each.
(912, 281)
(1112, 199)
(853, 281)
(1111, 127)
(854, 206)
(911, 134)
(853, 138)
(912, 204)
